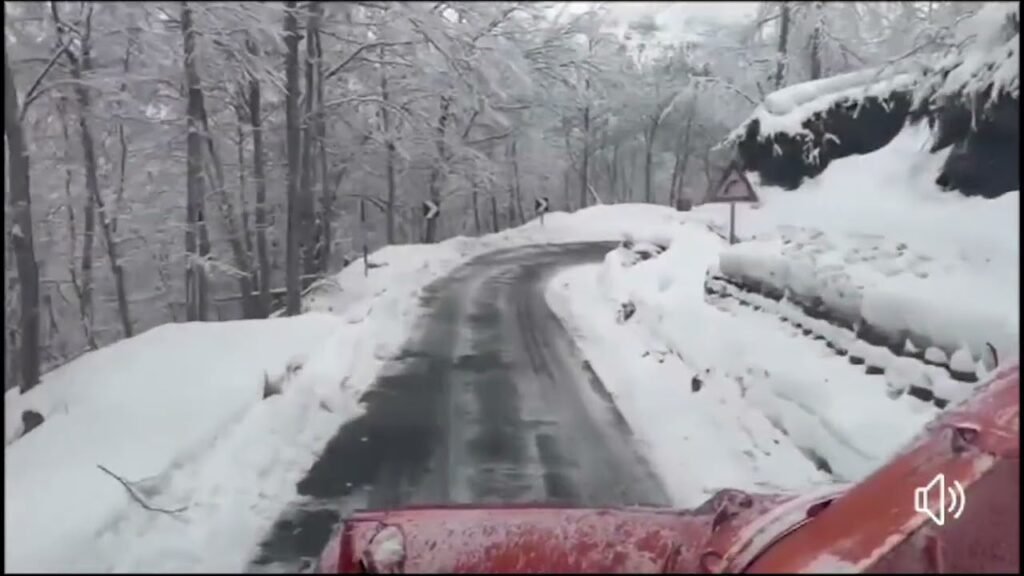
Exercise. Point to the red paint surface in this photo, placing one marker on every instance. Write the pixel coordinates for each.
(875, 528)
(869, 527)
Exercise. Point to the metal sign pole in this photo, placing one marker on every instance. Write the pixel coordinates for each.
(732, 223)
(366, 251)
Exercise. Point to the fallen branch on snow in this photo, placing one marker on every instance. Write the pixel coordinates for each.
(138, 499)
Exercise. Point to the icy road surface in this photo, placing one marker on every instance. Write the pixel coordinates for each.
(489, 402)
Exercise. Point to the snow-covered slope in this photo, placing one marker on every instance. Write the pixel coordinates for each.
(724, 397)
(155, 410)
(873, 234)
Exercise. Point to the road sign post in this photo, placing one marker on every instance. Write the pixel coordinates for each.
(732, 189)
(362, 228)
(732, 223)
(430, 210)
(540, 206)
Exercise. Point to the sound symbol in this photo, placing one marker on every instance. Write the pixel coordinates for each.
(957, 499)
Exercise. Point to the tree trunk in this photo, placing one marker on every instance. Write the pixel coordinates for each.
(585, 164)
(123, 143)
(565, 189)
(235, 235)
(437, 172)
(385, 114)
(682, 159)
(650, 134)
(327, 191)
(780, 67)
(243, 204)
(293, 131)
(814, 51)
(196, 239)
(494, 214)
(517, 192)
(614, 174)
(69, 207)
(260, 181)
(307, 214)
(476, 211)
(81, 66)
(20, 211)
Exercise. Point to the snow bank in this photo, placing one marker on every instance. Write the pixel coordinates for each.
(874, 239)
(140, 408)
(726, 397)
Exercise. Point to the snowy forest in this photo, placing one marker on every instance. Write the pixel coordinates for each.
(190, 161)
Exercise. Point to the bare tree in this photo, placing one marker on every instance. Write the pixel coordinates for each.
(307, 236)
(197, 246)
(81, 66)
(814, 42)
(20, 207)
(294, 135)
(780, 66)
(389, 142)
(260, 182)
(437, 170)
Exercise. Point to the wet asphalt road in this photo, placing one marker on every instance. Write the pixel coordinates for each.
(489, 402)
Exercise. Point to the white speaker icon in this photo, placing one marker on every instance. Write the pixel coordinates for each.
(954, 504)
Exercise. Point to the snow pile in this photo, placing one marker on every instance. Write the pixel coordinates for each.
(887, 285)
(874, 239)
(150, 409)
(725, 397)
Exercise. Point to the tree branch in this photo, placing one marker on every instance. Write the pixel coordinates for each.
(138, 499)
(33, 91)
(727, 86)
(334, 71)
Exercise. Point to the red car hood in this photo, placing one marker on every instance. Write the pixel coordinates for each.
(533, 539)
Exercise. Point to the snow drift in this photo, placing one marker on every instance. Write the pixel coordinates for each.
(875, 245)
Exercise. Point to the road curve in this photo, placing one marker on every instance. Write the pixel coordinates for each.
(489, 402)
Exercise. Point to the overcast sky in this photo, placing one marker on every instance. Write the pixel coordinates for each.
(673, 16)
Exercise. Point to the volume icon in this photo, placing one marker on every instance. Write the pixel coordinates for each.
(937, 499)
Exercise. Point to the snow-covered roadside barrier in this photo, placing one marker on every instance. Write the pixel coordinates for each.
(740, 368)
(898, 302)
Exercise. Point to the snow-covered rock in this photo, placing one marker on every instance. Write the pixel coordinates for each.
(936, 356)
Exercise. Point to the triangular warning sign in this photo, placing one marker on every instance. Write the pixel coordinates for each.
(734, 187)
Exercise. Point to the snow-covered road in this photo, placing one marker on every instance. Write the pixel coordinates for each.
(488, 402)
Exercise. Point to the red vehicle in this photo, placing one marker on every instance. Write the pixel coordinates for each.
(874, 526)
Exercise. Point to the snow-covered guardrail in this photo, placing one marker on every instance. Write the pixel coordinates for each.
(881, 303)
